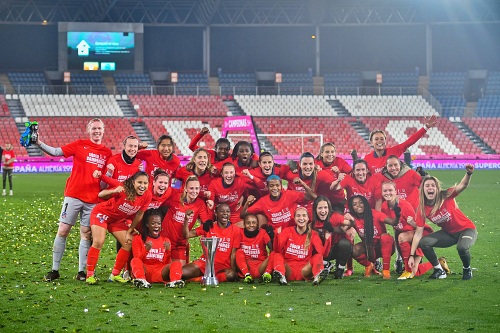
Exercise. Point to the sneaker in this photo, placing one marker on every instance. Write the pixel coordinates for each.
(266, 277)
(52, 275)
(321, 276)
(378, 266)
(406, 275)
(280, 278)
(348, 272)
(4, 193)
(328, 265)
(368, 270)
(339, 273)
(248, 278)
(141, 283)
(81, 276)
(175, 284)
(126, 275)
(117, 278)
(92, 280)
(386, 274)
(438, 274)
(11, 193)
(399, 266)
(467, 274)
(444, 264)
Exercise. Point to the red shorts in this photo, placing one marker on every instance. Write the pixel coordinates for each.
(218, 267)
(179, 252)
(253, 267)
(153, 273)
(296, 270)
(102, 220)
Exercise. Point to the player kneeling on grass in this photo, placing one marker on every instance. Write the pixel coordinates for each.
(224, 262)
(299, 255)
(151, 251)
(440, 207)
(375, 241)
(123, 202)
(252, 259)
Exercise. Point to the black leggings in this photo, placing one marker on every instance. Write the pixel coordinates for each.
(464, 240)
(340, 251)
(7, 173)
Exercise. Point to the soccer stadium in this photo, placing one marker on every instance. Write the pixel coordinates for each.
(285, 77)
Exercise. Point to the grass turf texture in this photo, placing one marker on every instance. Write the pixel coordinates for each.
(354, 304)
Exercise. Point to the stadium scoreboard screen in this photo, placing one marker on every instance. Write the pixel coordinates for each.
(100, 46)
(105, 51)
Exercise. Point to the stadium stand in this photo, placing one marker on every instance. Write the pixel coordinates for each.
(169, 106)
(88, 83)
(487, 130)
(448, 88)
(29, 82)
(4, 108)
(10, 134)
(489, 105)
(293, 106)
(296, 84)
(192, 84)
(70, 105)
(342, 83)
(400, 83)
(386, 106)
(133, 83)
(237, 83)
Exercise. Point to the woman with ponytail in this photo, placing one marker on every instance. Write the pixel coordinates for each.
(375, 241)
(299, 255)
(123, 202)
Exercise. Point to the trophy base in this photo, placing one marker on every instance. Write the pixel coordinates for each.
(209, 281)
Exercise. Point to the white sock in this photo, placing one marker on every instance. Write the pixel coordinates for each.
(438, 266)
(83, 250)
(58, 251)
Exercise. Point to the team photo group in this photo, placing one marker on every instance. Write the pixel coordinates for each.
(307, 219)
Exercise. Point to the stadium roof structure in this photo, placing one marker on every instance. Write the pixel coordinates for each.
(251, 12)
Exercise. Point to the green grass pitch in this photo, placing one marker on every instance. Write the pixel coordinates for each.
(354, 304)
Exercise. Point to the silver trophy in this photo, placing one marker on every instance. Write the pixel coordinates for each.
(209, 245)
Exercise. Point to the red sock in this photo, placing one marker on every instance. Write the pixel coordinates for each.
(423, 268)
(279, 263)
(270, 263)
(138, 268)
(221, 276)
(405, 248)
(92, 258)
(120, 261)
(241, 262)
(387, 247)
(175, 271)
(316, 263)
(363, 260)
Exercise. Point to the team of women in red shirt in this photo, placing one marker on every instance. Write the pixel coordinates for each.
(274, 221)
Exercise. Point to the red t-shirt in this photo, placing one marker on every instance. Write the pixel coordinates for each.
(229, 240)
(157, 201)
(449, 217)
(339, 162)
(406, 211)
(156, 255)
(378, 225)
(376, 163)
(279, 213)
(118, 207)
(370, 189)
(123, 170)
(336, 220)
(174, 219)
(205, 179)
(292, 245)
(219, 193)
(154, 161)
(407, 186)
(324, 180)
(7, 155)
(256, 247)
(87, 157)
